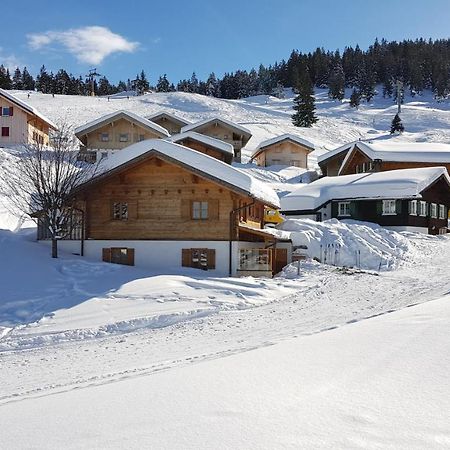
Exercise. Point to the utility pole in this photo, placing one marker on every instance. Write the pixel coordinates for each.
(91, 76)
(399, 96)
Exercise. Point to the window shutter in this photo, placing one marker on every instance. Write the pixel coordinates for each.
(132, 209)
(398, 206)
(186, 257)
(130, 256)
(211, 258)
(186, 209)
(106, 254)
(379, 207)
(213, 209)
(352, 209)
(410, 207)
(11, 111)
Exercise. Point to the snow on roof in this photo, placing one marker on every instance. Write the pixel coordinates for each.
(393, 184)
(335, 152)
(406, 151)
(207, 140)
(195, 126)
(28, 108)
(207, 165)
(283, 137)
(175, 118)
(83, 129)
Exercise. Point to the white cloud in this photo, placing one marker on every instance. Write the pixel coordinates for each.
(88, 44)
(9, 61)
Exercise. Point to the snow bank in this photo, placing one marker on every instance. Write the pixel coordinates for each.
(350, 243)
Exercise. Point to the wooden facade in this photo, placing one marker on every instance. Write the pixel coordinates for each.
(171, 123)
(286, 152)
(330, 166)
(206, 149)
(19, 125)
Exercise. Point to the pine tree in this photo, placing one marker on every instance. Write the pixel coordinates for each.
(212, 85)
(5, 78)
(397, 125)
(355, 99)
(44, 81)
(336, 81)
(304, 106)
(163, 84)
(27, 80)
(17, 79)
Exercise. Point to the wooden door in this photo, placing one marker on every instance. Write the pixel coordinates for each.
(280, 259)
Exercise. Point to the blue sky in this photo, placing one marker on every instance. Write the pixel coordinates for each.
(179, 37)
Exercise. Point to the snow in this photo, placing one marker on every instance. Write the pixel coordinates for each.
(30, 109)
(197, 125)
(225, 147)
(393, 184)
(209, 166)
(283, 137)
(120, 114)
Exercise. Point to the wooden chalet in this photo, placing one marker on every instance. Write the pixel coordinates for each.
(286, 150)
(102, 137)
(161, 206)
(222, 129)
(20, 123)
(173, 124)
(331, 162)
(403, 199)
(216, 148)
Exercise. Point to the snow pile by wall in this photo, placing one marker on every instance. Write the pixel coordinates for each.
(350, 243)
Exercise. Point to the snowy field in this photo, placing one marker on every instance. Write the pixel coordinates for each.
(96, 355)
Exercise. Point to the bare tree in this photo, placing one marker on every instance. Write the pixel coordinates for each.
(40, 181)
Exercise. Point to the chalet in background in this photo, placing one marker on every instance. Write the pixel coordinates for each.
(287, 150)
(382, 155)
(173, 124)
(104, 136)
(161, 206)
(216, 148)
(20, 123)
(403, 200)
(222, 129)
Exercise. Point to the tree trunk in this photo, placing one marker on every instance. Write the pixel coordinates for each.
(54, 248)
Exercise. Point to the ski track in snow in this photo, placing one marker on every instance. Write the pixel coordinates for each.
(325, 298)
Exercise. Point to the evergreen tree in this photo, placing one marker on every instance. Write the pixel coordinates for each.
(355, 99)
(17, 79)
(397, 125)
(193, 84)
(304, 105)
(212, 86)
(388, 88)
(44, 81)
(121, 86)
(105, 87)
(27, 80)
(163, 84)
(5, 78)
(336, 81)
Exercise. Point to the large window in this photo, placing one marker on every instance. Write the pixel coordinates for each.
(123, 137)
(433, 211)
(344, 209)
(423, 210)
(120, 211)
(104, 137)
(5, 131)
(442, 214)
(413, 207)
(255, 259)
(389, 207)
(199, 210)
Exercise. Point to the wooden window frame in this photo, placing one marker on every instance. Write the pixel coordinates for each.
(386, 208)
(442, 212)
(124, 137)
(6, 132)
(413, 208)
(104, 137)
(433, 210)
(424, 205)
(126, 255)
(347, 207)
(198, 258)
(200, 210)
(123, 211)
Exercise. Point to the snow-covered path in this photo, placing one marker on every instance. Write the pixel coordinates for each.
(323, 298)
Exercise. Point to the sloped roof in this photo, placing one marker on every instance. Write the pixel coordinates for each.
(204, 165)
(174, 118)
(393, 184)
(222, 146)
(428, 152)
(335, 152)
(284, 137)
(97, 123)
(27, 108)
(198, 125)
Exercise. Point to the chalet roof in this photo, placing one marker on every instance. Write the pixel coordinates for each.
(108, 118)
(167, 115)
(199, 163)
(335, 152)
(284, 137)
(393, 184)
(27, 108)
(429, 152)
(218, 120)
(222, 146)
